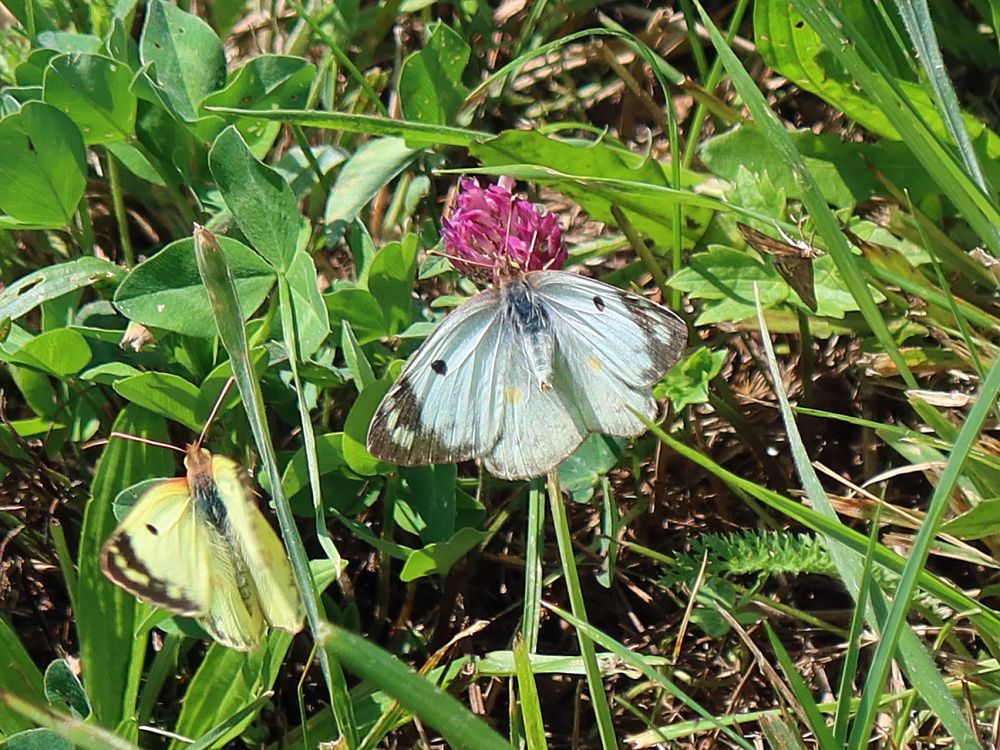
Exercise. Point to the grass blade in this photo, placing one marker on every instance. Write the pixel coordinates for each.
(226, 309)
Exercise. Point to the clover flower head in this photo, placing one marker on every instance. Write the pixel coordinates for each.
(492, 234)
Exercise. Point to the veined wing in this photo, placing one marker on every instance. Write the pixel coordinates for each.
(257, 544)
(541, 425)
(157, 553)
(443, 408)
(614, 345)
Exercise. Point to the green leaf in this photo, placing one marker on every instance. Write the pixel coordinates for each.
(166, 290)
(640, 192)
(329, 456)
(36, 739)
(687, 382)
(265, 82)
(430, 81)
(390, 280)
(105, 614)
(63, 687)
(43, 169)
(357, 363)
(312, 321)
(425, 503)
(36, 387)
(18, 675)
(28, 292)
(188, 57)
(95, 92)
(260, 199)
(437, 559)
(980, 522)
(359, 308)
(60, 353)
(362, 176)
(163, 393)
(724, 273)
(356, 430)
(582, 470)
(135, 162)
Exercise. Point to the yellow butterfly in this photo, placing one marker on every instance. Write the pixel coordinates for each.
(198, 546)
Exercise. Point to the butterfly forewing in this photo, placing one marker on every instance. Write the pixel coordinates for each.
(158, 552)
(607, 328)
(270, 574)
(426, 416)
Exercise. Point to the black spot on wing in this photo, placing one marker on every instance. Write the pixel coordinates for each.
(598, 303)
(440, 366)
(152, 529)
(665, 333)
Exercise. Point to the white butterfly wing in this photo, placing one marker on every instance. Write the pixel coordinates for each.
(614, 344)
(442, 409)
(541, 426)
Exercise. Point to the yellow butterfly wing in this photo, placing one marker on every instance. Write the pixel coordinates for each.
(175, 550)
(234, 617)
(258, 545)
(156, 552)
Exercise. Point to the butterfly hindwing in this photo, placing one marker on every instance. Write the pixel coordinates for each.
(441, 409)
(541, 422)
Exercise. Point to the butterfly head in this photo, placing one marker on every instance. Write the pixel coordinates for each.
(197, 460)
(493, 236)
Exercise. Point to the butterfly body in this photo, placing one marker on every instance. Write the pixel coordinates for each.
(200, 547)
(527, 315)
(520, 374)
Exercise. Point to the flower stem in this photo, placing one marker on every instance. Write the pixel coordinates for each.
(598, 697)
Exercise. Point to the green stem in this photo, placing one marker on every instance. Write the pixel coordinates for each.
(599, 699)
(118, 204)
(642, 250)
(533, 573)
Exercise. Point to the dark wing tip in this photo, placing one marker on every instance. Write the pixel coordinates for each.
(118, 559)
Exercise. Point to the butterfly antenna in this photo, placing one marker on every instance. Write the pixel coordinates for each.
(466, 261)
(136, 439)
(215, 410)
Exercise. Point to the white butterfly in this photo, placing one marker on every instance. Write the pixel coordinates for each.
(519, 375)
